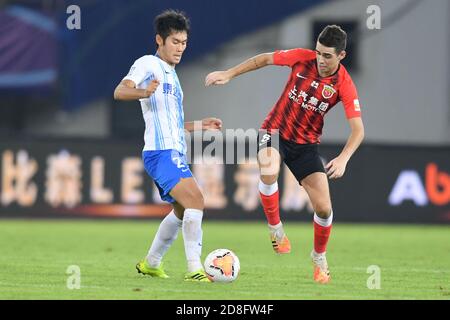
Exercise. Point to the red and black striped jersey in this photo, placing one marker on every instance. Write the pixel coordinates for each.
(307, 97)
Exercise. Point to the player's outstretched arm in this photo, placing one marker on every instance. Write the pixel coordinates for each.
(336, 167)
(126, 90)
(256, 62)
(205, 124)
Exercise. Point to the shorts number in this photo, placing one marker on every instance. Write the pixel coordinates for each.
(265, 139)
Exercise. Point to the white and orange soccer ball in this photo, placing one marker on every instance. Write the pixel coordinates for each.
(222, 265)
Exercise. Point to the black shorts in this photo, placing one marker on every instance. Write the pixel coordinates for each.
(301, 159)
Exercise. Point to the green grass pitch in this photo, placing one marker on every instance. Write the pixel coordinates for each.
(414, 261)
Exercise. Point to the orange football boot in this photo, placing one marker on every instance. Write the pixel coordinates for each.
(321, 272)
(280, 246)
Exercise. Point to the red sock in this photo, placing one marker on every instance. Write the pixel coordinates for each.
(271, 207)
(321, 235)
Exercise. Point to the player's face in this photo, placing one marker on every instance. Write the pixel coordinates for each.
(327, 59)
(172, 49)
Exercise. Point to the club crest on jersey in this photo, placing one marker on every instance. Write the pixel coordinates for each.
(328, 91)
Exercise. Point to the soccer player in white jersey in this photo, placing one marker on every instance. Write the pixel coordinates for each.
(152, 80)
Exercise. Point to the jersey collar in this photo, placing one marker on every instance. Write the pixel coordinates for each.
(166, 66)
(331, 75)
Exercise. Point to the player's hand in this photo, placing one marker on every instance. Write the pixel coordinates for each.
(336, 168)
(151, 88)
(217, 77)
(211, 124)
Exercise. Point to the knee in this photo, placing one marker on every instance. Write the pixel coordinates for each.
(270, 172)
(269, 162)
(201, 201)
(197, 200)
(269, 179)
(323, 210)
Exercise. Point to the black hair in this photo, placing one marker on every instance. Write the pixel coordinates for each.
(170, 21)
(334, 37)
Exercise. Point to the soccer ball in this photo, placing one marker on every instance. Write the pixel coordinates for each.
(222, 265)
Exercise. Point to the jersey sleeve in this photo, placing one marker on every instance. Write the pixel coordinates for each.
(349, 97)
(291, 57)
(139, 71)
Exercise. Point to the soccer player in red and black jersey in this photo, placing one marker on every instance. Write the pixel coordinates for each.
(318, 81)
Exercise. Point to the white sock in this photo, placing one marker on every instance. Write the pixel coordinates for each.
(166, 235)
(277, 229)
(192, 234)
(324, 222)
(268, 189)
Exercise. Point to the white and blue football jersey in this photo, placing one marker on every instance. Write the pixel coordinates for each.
(163, 110)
